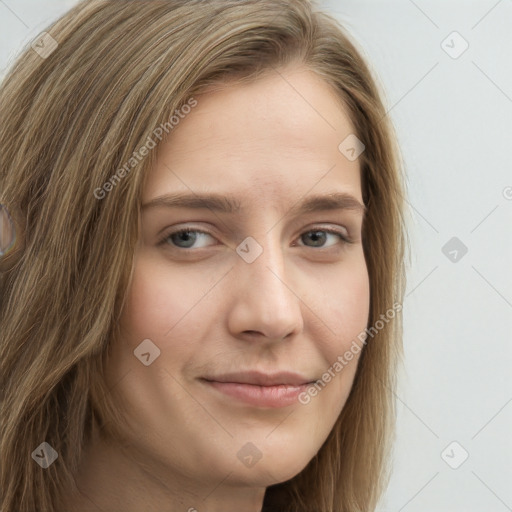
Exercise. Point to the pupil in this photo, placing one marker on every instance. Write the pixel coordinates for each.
(318, 237)
(185, 236)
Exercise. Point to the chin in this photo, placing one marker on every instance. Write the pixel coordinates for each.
(270, 471)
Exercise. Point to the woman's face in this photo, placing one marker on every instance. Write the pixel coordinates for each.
(227, 324)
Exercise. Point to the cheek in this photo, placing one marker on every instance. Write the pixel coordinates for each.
(354, 304)
(161, 306)
(159, 300)
(345, 305)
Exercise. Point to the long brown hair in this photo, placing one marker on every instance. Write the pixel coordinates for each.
(71, 118)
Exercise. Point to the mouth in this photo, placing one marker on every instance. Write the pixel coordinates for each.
(260, 389)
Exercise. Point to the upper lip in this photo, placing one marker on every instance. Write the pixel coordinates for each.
(261, 379)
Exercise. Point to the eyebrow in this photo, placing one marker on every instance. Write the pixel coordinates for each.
(228, 204)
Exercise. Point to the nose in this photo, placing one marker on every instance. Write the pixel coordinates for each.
(265, 305)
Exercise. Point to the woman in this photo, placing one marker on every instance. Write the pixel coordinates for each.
(200, 311)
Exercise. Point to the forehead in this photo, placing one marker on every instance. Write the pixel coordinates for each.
(267, 140)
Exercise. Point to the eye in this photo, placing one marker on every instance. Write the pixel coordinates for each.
(186, 238)
(189, 238)
(319, 237)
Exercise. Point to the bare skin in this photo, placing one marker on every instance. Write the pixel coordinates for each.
(295, 308)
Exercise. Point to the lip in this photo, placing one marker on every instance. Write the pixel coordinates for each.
(260, 389)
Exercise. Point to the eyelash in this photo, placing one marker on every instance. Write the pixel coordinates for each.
(345, 240)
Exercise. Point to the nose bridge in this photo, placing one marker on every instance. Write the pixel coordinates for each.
(265, 301)
(266, 263)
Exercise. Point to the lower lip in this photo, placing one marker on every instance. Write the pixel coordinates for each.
(260, 396)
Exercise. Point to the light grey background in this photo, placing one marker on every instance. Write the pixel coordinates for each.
(453, 117)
